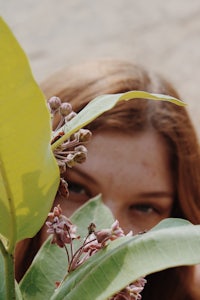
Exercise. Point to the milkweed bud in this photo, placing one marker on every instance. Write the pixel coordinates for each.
(65, 109)
(63, 188)
(77, 157)
(54, 103)
(91, 228)
(62, 166)
(80, 157)
(81, 148)
(84, 135)
(70, 160)
(70, 116)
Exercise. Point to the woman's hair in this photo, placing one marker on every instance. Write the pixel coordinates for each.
(80, 84)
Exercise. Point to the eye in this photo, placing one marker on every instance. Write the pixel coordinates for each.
(78, 193)
(143, 208)
(76, 188)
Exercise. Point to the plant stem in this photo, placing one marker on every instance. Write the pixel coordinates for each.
(61, 140)
(9, 273)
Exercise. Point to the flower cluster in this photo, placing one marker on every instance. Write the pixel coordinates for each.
(71, 151)
(64, 232)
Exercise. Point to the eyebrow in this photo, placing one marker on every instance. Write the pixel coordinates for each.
(84, 175)
(157, 194)
(153, 194)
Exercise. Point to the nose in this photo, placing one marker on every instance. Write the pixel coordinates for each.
(119, 213)
(113, 207)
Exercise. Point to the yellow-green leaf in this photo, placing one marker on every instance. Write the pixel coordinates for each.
(29, 174)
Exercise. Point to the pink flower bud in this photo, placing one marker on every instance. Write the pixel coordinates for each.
(103, 235)
(84, 135)
(65, 109)
(61, 227)
(54, 103)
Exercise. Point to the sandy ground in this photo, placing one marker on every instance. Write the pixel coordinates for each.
(162, 35)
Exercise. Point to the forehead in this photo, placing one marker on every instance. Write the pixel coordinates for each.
(139, 145)
(141, 156)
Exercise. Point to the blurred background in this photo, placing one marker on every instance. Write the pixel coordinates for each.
(164, 36)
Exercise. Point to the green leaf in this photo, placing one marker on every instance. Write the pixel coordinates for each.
(50, 264)
(127, 259)
(29, 175)
(103, 103)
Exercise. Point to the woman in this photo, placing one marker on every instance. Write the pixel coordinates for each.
(143, 158)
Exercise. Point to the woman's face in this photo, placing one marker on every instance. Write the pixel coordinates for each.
(131, 172)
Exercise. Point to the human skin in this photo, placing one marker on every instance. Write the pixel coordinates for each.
(132, 172)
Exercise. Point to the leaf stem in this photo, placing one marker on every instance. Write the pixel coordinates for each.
(9, 273)
(67, 252)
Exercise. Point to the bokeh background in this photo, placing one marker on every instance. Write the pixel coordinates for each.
(161, 35)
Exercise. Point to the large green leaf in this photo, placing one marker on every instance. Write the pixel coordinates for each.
(103, 103)
(50, 264)
(173, 242)
(29, 174)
